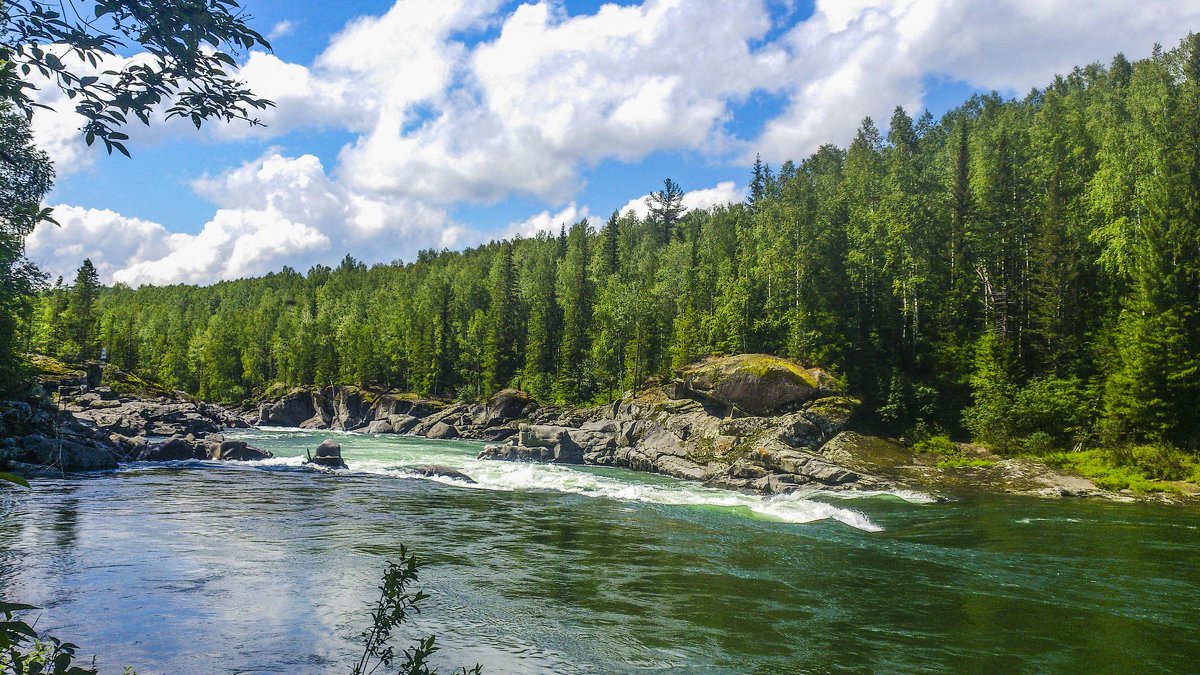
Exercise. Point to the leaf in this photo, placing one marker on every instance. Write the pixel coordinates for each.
(11, 478)
(10, 607)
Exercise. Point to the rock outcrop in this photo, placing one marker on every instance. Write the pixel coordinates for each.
(750, 422)
(354, 409)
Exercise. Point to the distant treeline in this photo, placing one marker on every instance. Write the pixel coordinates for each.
(1026, 270)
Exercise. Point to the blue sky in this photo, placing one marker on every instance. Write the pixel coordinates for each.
(429, 123)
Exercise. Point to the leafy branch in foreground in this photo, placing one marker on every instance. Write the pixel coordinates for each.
(188, 47)
(22, 650)
(391, 610)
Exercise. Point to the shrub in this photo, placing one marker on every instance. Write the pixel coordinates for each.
(939, 444)
(1158, 462)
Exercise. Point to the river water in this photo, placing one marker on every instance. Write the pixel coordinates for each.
(268, 567)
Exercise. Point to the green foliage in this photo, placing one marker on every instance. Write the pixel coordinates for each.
(14, 479)
(952, 456)
(1106, 471)
(23, 650)
(393, 608)
(939, 444)
(25, 177)
(190, 45)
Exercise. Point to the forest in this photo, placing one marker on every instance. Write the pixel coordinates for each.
(1025, 272)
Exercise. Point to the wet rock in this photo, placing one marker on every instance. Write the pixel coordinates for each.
(442, 471)
(329, 455)
(237, 451)
(66, 455)
(176, 449)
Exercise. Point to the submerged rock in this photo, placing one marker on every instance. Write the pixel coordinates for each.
(442, 471)
(238, 451)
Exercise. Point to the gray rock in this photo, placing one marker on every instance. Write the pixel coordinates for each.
(65, 455)
(328, 454)
(443, 471)
(402, 424)
(238, 451)
(379, 427)
(175, 449)
(442, 431)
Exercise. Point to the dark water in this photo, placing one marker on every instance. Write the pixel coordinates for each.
(269, 568)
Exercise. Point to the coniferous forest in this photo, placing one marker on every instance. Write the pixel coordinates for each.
(1024, 272)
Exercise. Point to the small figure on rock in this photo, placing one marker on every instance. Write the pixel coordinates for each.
(328, 455)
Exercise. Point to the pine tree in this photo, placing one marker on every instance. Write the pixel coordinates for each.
(576, 294)
(82, 320)
(666, 209)
(500, 349)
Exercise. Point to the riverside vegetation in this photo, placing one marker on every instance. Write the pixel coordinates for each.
(1022, 273)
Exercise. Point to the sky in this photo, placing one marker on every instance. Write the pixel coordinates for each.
(416, 124)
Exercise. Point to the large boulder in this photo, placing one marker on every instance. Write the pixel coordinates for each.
(329, 455)
(291, 410)
(753, 384)
(379, 427)
(64, 455)
(176, 449)
(402, 424)
(508, 405)
(442, 431)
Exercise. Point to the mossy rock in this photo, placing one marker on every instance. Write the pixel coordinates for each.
(756, 384)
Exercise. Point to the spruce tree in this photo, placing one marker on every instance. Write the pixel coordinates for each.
(500, 349)
(82, 319)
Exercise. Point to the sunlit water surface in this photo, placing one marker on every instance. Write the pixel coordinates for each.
(269, 567)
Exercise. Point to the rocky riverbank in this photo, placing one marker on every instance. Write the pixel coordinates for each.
(750, 422)
(90, 418)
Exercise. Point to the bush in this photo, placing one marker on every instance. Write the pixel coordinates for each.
(939, 444)
(1137, 468)
(1158, 462)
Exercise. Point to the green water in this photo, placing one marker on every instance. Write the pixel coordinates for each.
(267, 567)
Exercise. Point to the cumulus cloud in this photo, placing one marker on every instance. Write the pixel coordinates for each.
(857, 58)
(274, 211)
(546, 222)
(281, 29)
(722, 193)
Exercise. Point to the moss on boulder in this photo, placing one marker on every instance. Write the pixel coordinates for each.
(755, 384)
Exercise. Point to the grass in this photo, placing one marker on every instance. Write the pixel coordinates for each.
(1140, 469)
(964, 463)
(952, 454)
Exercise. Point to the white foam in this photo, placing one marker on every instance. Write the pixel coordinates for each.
(800, 507)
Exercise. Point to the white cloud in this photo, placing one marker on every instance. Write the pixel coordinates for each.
(855, 58)
(273, 211)
(720, 194)
(112, 241)
(545, 222)
(281, 29)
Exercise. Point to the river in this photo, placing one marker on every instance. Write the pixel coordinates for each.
(268, 567)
